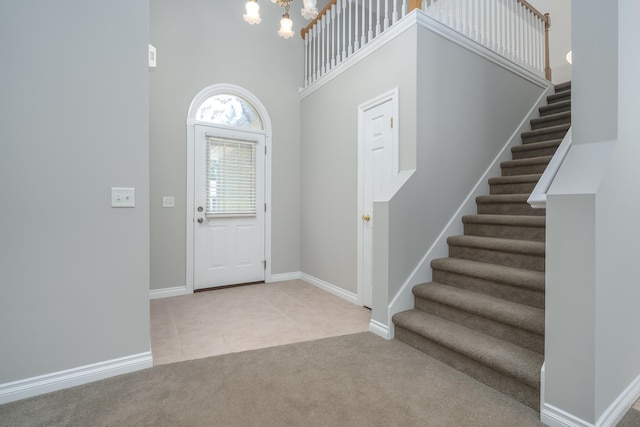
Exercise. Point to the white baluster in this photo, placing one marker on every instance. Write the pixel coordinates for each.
(404, 9)
(394, 15)
(370, 21)
(385, 23)
(464, 16)
(306, 60)
(314, 52)
(326, 41)
(332, 61)
(338, 7)
(363, 36)
(378, 17)
(356, 38)
(344, 29)
(350, 20)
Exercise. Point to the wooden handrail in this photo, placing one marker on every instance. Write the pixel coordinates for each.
(305, 30)
(533, 9)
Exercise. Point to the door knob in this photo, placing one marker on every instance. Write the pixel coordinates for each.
(366, 218)
(200, 220)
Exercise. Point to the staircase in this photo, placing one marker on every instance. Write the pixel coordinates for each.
(483, 314)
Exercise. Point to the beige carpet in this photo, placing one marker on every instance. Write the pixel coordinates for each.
(352, 380)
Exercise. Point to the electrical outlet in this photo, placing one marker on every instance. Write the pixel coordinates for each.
(168, 202)
(123, 197)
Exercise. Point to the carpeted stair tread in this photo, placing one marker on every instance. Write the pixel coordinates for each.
(513, 183)
(559, 96)
(550, 144)
(511, 276)
(545, 134)
(499, 245)
(504, 357)
(521, 316)
(554, 119)
(557, 107)
(515, 179)
(503, 198)
(540, 160)
(562, 86)
(520, 220)
(507, 204)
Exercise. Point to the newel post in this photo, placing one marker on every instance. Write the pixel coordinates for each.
(547, 65)
(415, 4)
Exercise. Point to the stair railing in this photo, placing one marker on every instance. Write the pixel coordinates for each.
(538, 197)
(512, 28)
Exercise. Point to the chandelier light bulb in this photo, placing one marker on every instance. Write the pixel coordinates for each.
(253, 12)
(309, 10)
(286, 27)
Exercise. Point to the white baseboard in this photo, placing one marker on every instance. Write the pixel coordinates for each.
(168, 292)
(379, 329)
(619, 407)
(30, 387)
(332, 289)
(555, 417)
(283, 277)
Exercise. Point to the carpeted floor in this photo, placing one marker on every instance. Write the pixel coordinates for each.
(352, 380)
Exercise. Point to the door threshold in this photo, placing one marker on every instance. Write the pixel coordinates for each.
(237, 285)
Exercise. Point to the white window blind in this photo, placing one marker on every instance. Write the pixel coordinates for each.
(231, 177)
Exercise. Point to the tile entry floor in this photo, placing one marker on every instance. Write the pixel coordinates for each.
(248, 317)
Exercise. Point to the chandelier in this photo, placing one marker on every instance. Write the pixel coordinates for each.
(309, 11)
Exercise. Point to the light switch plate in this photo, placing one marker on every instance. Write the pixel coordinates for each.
(123, 197)
(168, 202)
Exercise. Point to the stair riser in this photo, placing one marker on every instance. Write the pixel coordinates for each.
(543, 124)
(507, 259)
(512, 334)
(558, 97)
(518, 390)
(553, 109)
(524, 170)
(549, 151)
(499, 290)
(509, 209)
(535, 234)
(519, 188)
(543, 137)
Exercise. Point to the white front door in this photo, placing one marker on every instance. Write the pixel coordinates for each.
(379, 167)
(229, 207)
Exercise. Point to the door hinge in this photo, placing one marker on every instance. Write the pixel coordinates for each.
(391, 123)
(265, 150)
(265, 207)
(264, 264)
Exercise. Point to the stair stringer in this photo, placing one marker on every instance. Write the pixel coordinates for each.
(404, 298)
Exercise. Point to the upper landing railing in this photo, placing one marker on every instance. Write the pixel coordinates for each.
(511, 28)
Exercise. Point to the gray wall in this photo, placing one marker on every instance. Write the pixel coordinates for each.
(330, 156)
(592, 229)
(74, 111)
(200, 43)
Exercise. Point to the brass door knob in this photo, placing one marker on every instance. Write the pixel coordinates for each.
(366, 218)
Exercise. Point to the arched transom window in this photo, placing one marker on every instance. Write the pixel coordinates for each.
(229, 110)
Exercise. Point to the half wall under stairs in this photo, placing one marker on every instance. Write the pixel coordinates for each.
(483, 313)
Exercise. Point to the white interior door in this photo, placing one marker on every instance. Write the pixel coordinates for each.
(229, 207)
(379, 167)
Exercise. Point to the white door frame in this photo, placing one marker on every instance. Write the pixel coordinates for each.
(203, 95)
(392, 96)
